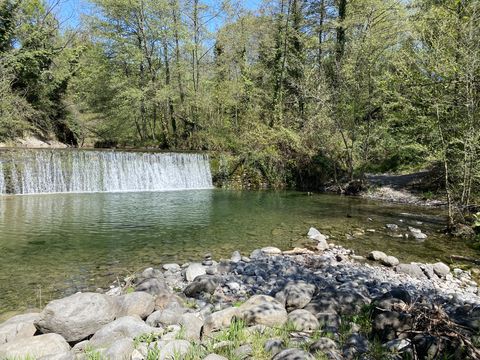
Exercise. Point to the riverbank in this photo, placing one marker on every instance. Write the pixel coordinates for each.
(297, 304)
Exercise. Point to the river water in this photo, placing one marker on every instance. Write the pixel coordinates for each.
(53, 245)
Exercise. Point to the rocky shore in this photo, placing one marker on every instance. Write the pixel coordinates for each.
(296, 304)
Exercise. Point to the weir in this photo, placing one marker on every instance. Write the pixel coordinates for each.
(63, 171)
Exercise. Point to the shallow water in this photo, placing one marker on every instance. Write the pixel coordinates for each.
(55, 245)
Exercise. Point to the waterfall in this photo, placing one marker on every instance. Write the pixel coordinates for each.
(2, 180)
(58, 171)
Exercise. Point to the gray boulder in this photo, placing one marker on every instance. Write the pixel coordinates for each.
(215, 357)
(77, 316)
(390, 261)
(293, 354)
(236, 257)
(136, 303)
(192, 326)
(377, 256)
(274, 346)
(165, 317)
(303, 320)
(296, 295)
(153, 286)
(413, 270)
(271, 250)
(322, 345)
(220, 320)
(120, 349)
(171, 267)
(18, 326)
(417, 234)
(263, 310)
(125, 327)
(441, 269)
(175, 349)
(35, 347)
(194, 270)
(202, 284)
(355, 346)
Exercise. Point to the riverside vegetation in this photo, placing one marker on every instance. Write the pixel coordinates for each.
(296, 93)
(325, 303)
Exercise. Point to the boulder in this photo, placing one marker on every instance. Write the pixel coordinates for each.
(120, 349)
(263, 310)
(236, 257)
(355, 346)
(136, 303)
(293, 354)
(387, 325)
(243, 352)
(303, 320)
(392, 227)
(296, 295)
(322, 245)
(377, 256)
(413, 270)
(153, 286)
(192, 325)
(390, 261)
(34, 347)
(312, 233)
(194, 270)
(274, 346)
(125, 327)
(271, 250)
(323, 345)
(441, 269)
(214, 357)
(165, 317)
(219, 320)
(329, 322)
(175, 349)
(171, 267)
(202, 284)
(417, 234)
(18, 327)
(78, 316)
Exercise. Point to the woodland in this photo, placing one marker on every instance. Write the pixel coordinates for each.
(300, 92)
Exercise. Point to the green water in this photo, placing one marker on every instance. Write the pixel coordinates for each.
(54, 245)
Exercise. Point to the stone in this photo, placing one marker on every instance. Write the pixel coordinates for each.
(202, 284)
(322, 245)
(413, 270)
(312, 232)
(293, 354)
(219, 320)
(297, 294)
(124, 327)
(263, 310)
(171, 267)
(18, 326)
(165, 317)
(236, 257)
(388, 324)
(194, 270)
(34, 347)
(303, 320)
(167, 300)
(77, 316)
(416, 233)
(397, 345)
(136, 303)
(274, 346)
(152, 286)
(214, 357)
(377, 256)
(323, 345)
(354, 346)
(243, 352)
(175, 349)
(441, 269)
(271, 250)
(390, 261)
(392, 227)
(60, 356)
(329, 322)
(192, 326)
(120, 349)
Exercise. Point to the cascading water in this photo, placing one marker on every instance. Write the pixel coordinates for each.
(2, 180)
(57, 171)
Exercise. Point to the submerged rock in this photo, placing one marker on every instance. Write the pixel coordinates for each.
(417, 233)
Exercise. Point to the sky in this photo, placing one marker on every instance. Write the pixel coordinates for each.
(70, 11)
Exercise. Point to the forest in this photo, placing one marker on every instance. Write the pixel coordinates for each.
(300, 92)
